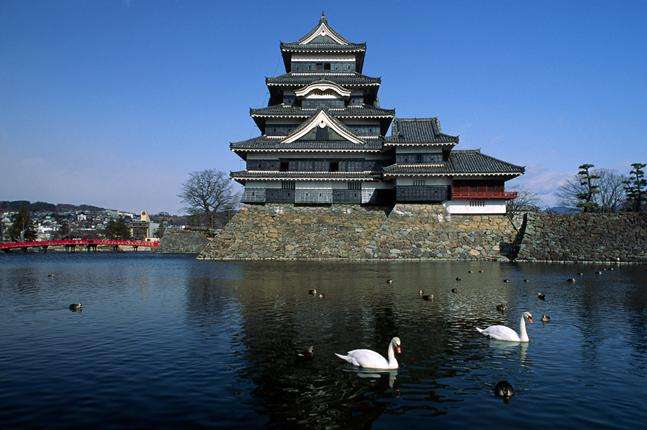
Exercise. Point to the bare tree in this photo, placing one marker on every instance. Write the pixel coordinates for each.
(208, 193)
(611, 188)
(609, 194)
(526, 201)
(568, 192)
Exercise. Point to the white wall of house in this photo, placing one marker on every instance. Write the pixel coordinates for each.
(368, 189)
(475, 207)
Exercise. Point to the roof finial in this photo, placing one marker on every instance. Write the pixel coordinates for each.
(323, 16)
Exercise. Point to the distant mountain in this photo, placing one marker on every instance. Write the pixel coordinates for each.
(11, 206)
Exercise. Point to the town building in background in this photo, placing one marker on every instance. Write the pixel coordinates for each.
(323, 140)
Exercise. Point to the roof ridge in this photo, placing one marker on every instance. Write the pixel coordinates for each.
(432, 118)
(323, 20)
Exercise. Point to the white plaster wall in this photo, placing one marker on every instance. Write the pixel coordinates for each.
(463, 207)
(368, 188)
(263, 184)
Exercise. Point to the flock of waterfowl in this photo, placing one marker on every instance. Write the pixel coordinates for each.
(369, 359)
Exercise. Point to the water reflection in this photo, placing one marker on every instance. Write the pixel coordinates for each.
(186, 343)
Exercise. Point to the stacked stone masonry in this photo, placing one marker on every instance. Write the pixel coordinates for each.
(183, 242)
(585, 237)
(358, 233)
(287, 232)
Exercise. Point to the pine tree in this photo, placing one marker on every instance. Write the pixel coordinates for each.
(21, 222)
(117, 229)
(29, 234)
(587, 180)
(160, 230)
(636, 187)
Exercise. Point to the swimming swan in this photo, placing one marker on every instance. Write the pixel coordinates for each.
(501, 332)
(372, 360)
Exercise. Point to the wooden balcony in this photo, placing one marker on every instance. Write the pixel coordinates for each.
(483, 195)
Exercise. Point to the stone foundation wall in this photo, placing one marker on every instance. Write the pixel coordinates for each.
(585, 237)
(183, 242)
(354, 232)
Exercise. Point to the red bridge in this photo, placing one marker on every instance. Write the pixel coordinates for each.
(73, 243)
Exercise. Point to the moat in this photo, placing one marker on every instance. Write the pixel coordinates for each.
(172, 342)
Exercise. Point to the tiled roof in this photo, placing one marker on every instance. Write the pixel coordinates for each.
(265, 144)
(418, 130)
(323, 47)
(464, 162)
(298, 80)
(298, 112)
(255, 174)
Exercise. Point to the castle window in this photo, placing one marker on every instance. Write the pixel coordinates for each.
(334, 166)
(327, 67)
(354, 185)
(288, 185)
(419, 182)
(284, 167)
(322, 133)
(477, 203)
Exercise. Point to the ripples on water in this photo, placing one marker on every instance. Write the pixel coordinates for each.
(171, 342)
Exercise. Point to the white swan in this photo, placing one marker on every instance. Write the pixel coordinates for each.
(501, 332)
(372, 360)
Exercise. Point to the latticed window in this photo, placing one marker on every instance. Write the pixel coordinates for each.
(354, 185)
(418, 182)
(288, 185)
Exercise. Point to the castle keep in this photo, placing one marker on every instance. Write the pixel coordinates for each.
(324, 140)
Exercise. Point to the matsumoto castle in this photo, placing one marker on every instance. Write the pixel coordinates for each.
(323, 140)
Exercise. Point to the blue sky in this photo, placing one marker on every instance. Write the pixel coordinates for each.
(113, 102)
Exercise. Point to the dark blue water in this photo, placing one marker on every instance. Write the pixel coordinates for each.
(170, 342)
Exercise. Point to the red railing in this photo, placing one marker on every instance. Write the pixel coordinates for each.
(484, 195)
(78, 242)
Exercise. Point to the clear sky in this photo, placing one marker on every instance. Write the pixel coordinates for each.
(113, 102)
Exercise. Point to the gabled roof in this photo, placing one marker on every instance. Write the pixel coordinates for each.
(415, 131)
(322, 119)
(469, 162)
(323, 39)
(323, 29)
